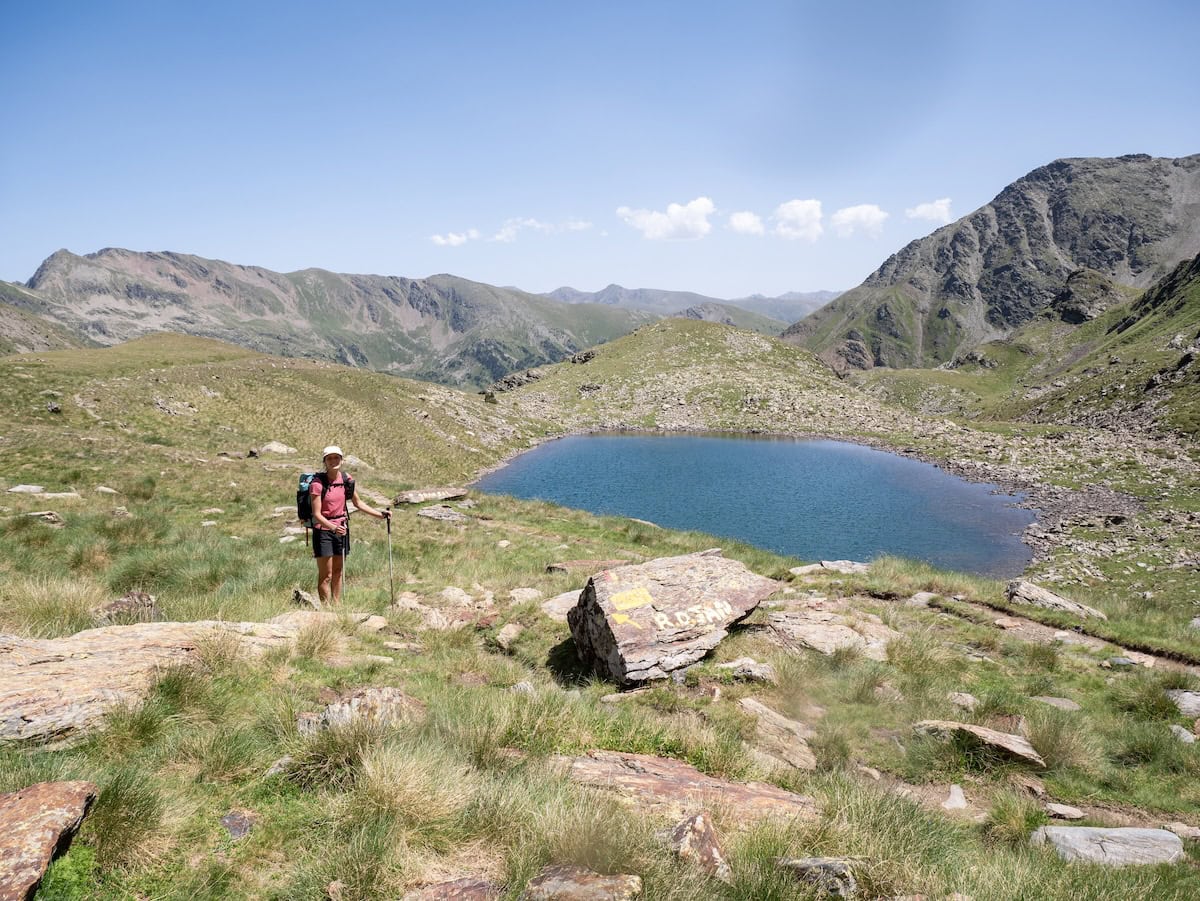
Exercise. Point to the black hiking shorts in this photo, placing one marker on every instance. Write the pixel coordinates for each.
(330, 544)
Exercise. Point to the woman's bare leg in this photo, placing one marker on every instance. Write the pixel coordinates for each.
(325, 577)
(338, 563)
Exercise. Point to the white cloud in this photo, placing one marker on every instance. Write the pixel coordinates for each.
(746, 223)
(797, 219)
(935, 211)
(866, 217)
(509, 230)
(455, 239)
(680, 222)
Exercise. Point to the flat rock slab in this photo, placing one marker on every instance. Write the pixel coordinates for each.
(640, 622)
(697, 841)
(424, 495)
(561, 883)
(1114, 847)
(1061, 703)
(591, 566)
(828, 631)
(673, 787)
(468, 888)
(442, 513)
(53, 691)
(385, 706)
(1022, 592)
(782, 738)
(36, 825)
(750, 670)
(844, 567)
(1188, 702)
(556, 608)
(1012, 745)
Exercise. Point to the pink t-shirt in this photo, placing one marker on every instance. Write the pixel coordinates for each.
(333, 502)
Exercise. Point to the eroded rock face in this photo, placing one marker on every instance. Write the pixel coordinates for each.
(1012, 745)
(697, 840)
(1021, 592)
(638, 623)
(673, 787)
(1113, 847)
(53, 691)
(780, 737)
(36, 825)
(563, 883)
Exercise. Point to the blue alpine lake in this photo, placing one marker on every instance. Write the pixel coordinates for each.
(815, 500)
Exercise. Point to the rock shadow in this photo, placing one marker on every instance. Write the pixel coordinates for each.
(565, 666)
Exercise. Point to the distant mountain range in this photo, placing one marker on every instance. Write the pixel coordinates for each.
(442, 328)
(785, 308)
(1127, 220)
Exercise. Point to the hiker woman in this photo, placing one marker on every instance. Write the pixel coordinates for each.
(331, 523)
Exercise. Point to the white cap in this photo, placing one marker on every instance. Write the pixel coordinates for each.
(332, 449)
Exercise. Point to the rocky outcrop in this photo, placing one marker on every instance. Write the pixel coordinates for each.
(1026, 593)
(1085, 296)
(1013, 746)
(36, 825)
(1126, 219)
(424, 495)
(638, 623)
(1112, 847)
(673, 788)
(53, 691)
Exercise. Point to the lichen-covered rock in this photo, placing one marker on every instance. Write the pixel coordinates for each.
(563, 883)
(53, 691)
(673, 787)
(385, 706)
(36, 825)
(829, 630)
(697, 840)
(638, 623)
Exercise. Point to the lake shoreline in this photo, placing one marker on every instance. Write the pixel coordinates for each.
(1052, 505)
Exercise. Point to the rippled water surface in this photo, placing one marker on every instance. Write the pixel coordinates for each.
(810, 499)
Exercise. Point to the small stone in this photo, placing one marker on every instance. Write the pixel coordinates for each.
(456, 596)
(556, 608)
(1183, 830)
(697, 840)
(1188, 702)
(276, 447)
(524, 595)
(921, 599)
(407, 647)
(830, 874)
(1012, 745)
(523, 688)
(503, 543)
(211, 511)
(508, 635)
(26, 489)
(750, 670)
(563, 883)
(963, 699)
(1064, 811)
(49, 517)
(1060, 703)
(956, 800)
(104, 489)
(1183, 735)
(238, 823)
(373, 623)
(1119, 662)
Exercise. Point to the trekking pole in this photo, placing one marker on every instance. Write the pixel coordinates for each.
(345, 547)
(391, 576)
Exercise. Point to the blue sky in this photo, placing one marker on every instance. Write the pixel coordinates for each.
(729, 149)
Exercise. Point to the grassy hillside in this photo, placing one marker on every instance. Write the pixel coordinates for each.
(1131, 367)
(470, 789)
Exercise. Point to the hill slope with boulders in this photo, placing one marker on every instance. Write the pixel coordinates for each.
(442, 328)
(1130, 220)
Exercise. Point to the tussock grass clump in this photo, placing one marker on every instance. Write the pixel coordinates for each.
(420, 786)
(318, 641)
(1152, 744)
(832, 746)
(1063, 740)
(333, 757)
(1012, 819)
(128, 812)
(224, 755)
(1145, 695)
(48, 606)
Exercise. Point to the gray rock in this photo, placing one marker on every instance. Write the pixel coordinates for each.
(1188, 702)
(422, 495)
(556, 608)
(1183, 830)
(782, 738)
(508, 635)
(1119, 662)
(955, 800)
(830, 874)
(442, 513)
(1112, 847)
(845, 567)
(1022, 592)
(641, 622)
(26, 489)
(524, 595)
(1060, 703)
(1182, 734)
(1064, 811)
(134, 607)
(1012, 745)
(828, 631)
(963, 699)
(922, 599)
(385, 706)
(238, 823)
(276, 447)
(750, 670)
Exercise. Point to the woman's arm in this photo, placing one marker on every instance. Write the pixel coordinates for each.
(369, 510)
